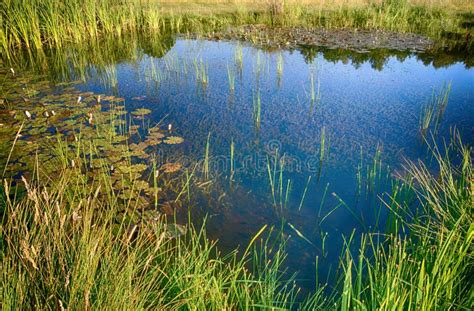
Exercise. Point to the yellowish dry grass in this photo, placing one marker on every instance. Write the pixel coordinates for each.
(199, 6)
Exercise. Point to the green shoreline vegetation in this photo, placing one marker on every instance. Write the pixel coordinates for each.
(72, 231)
(36, 24)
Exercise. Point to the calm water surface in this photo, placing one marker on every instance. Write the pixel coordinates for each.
(366, 110)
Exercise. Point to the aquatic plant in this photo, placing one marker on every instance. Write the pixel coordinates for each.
(173, 140)
(42, 23)
(315, 93)
(441, 102)
(232, 159)
(239, 57)
(322, 147)
(206, 157)
(436, 256)
(257, 109)
(279, 68)
(304, 193)
(201, 72)
(280, 64)
(426, 117)
(433, 111)
(231, 78)
(80, 250)
(280, 191)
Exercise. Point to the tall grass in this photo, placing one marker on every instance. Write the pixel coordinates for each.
(433, 111)
(63, 248)
(38, 23)
(280, 62)
(231, 79)
(432, 267)
(257, 109)
(72, 241)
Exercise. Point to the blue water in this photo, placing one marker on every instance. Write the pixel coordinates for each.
(363, 109)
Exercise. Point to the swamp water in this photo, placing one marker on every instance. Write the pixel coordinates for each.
(312, 141)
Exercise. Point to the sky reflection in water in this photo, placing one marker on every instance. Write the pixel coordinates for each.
(362, 109)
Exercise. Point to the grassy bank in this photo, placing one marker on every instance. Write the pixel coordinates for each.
(36, 24)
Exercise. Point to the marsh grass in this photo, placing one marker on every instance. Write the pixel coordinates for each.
(433, 111)
(257, 109)
(231, 79)
(239, 56)
(201, 71)
(207, 155)
(232, 159)
(65, 248)
(314, 91)
(38, 24)
(431, 267)
(279, 69)
(280, 186)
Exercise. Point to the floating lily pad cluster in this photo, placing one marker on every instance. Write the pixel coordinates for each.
(90, 134)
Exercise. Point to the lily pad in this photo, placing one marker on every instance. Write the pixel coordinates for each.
(141, 112)
(173, 140)
(171, 167)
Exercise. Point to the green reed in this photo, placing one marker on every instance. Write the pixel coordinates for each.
(441, 103)
(37, 24)
(280, 62)
(280, 190)
(232, 159)
(231, 79)
(239, 57)
(207, 155)
(64, 257)
(435, 257)
(314, 91)
(433, 111)
(322, 148)
(304, 193)
(201, 72)
(257, 109)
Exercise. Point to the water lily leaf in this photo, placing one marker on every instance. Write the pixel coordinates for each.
(141, 112)
(108, 98)
(119, 138)
(175, 230)
(155, 135)
(171, 167)
(138, 147)
(133, 129)
(153, 142)
(134, 168)
(173, 140)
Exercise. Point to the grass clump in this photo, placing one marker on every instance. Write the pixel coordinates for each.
(66, 244)
(430, 267)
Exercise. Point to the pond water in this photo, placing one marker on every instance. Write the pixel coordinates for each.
(310, 142)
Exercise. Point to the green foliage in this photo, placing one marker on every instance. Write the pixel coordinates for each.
(38, 23)
(431, 268)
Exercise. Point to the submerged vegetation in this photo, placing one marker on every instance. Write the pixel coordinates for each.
(94, 215)
(433, 111)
